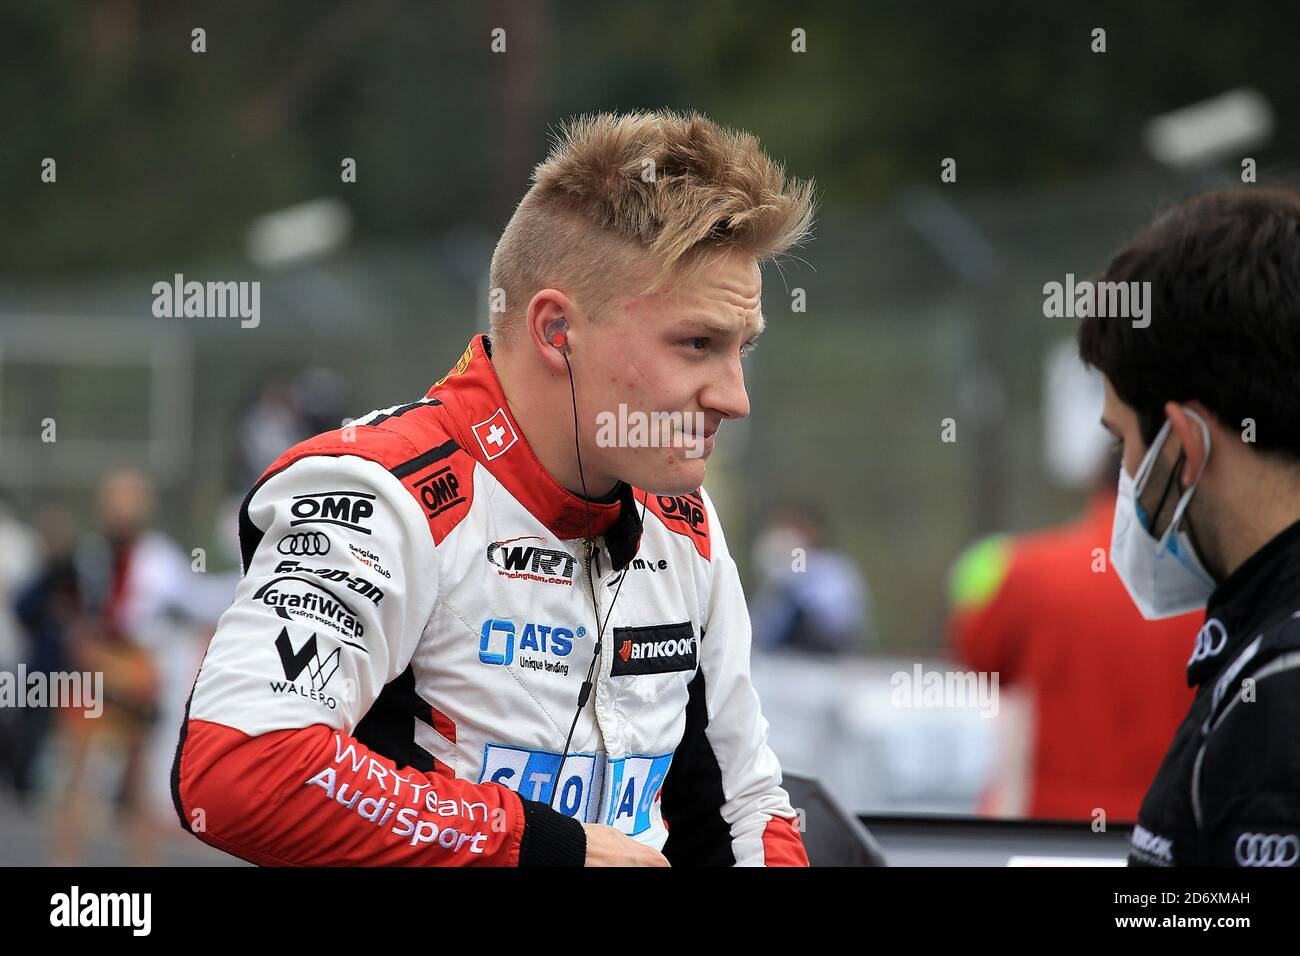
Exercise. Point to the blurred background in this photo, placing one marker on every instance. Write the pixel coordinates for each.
(920, 488)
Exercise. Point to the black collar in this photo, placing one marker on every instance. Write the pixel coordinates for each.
(1265, 588)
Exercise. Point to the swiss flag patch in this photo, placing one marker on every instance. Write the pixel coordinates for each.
(496, 435)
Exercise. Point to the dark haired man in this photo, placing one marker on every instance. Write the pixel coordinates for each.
(1204, 398)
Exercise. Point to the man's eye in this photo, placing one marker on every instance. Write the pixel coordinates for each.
(691, 342)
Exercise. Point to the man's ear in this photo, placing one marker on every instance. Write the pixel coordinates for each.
(545, 307)
(1187, 430)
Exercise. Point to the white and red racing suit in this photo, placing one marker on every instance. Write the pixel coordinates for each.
(396, 678)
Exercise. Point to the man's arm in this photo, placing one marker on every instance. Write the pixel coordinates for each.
(269, 766)
(723, 802)
(1249, 783)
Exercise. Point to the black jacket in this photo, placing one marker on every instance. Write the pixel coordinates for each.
(1228, 790)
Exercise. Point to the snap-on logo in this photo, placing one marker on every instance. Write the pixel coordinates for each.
(658, 649)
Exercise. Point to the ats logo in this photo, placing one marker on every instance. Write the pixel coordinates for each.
(658, 649)
(530, 562)
(498, 640)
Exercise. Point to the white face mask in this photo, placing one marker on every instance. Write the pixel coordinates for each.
(1163, 577)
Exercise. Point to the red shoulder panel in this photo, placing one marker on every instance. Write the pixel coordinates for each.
(684, 514)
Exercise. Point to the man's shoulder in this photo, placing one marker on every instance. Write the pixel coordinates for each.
(415, 444)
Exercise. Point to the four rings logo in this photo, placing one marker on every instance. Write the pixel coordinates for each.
(1210, 640)
(531, 562)
(1267, 849)
(304, 544)
(345, 508)
(659, 649)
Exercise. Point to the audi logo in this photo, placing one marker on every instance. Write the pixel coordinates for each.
(1210, 640)
(304, 544)
(1268, 849)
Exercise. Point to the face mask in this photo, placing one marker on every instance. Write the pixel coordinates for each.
(1163, 577)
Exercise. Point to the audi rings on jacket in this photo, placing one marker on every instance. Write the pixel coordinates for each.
(1268, 849)
(1210, 640)
(304, 543)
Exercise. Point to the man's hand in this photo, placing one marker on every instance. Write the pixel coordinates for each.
(609, 847)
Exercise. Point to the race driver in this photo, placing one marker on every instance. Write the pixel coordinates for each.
(1202, 397)
(477, 628)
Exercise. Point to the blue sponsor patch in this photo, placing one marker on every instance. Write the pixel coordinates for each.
(619, 793)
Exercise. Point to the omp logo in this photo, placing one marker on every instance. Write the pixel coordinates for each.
(495, 435)
(302, 598)
(541, 638)
(531, 562)
(304, 544)
(439, 491)
(344, 508)
(307, 656)
(659, 649)
(683, 509)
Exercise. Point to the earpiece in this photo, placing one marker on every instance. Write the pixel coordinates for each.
(557, 335)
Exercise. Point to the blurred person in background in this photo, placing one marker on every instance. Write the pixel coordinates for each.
(287, 409)
(46, 608)
(131, 579)
(1204, 396)
(813, 598)
(1104, 687)
(18, 562)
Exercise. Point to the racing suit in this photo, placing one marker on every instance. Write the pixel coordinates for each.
(1228, 791)
(399, 670)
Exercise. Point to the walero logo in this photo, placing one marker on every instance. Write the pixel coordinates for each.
(495, 435)
(539, 638)
(658, 649)
(531, 562)
(685, 509)
(306, 658)
(348, 509)
(304, 544)
(439, 491)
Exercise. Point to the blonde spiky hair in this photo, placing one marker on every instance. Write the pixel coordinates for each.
(639, 194)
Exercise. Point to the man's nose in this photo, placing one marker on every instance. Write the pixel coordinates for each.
(726, 394)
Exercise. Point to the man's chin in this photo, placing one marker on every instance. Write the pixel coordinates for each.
(681, 477)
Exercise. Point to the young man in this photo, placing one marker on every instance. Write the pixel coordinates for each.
(1204, 401)
(476, 629)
